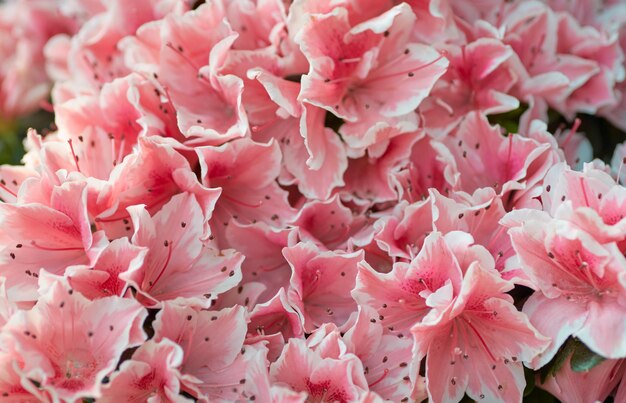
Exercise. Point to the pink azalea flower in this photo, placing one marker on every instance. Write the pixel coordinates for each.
(330, 161)
(187, 63)
(596, 203)
(594, 385)
(514, 165)
(573, 68)
(400, 296)
(368, 66)
(480, 215)
(264, 264)
(384, 357)
(151, 375)
(401, 233)
(68, 344)
(331, 225)
(371, 176)
(430, 165)
(92, 57)
(25, 27)
(474, 339)
(104, 127)
(320, 284)
(275, 322)
(178, 266)
(580, 285)
(151, 176)
(480, 78)
(52, 235)
(102, 279)
(215, 362)
(325, 379)
(246, 196)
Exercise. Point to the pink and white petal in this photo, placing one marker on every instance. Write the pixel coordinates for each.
(555, 318)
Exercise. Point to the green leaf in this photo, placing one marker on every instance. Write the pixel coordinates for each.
(584, 359)
(551, 368)
(529, 374)
(509, 120)
(539, 396)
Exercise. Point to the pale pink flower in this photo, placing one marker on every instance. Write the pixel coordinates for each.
(384, 357)
(68, 344)
(52, 235)
(325, 379)
(264, 265)
(215, 364)
(580, 285)
(178, 267)
(82, 63)
(25, 27)
(150, 375)
(480, 78)
(102, 279)
(320, 284)
(370, 68)
(474, 339)
(246, 172)
(594, 385)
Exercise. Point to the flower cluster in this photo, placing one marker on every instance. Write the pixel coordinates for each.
(310, 200)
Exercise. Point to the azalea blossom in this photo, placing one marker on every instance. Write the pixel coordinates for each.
(312, 200)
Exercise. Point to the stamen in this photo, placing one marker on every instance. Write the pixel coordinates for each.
(34, 245)
(74, 155)
(167, 261)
